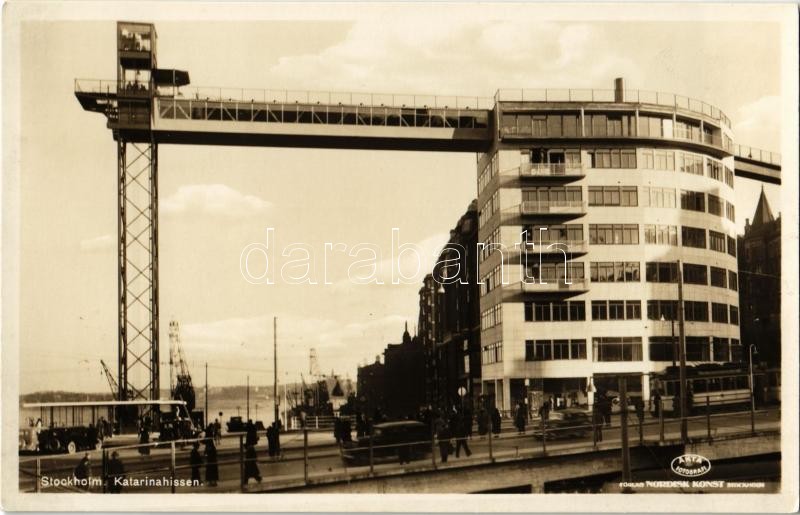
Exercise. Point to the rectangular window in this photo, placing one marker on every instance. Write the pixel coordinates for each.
(662, 348)
(731, 246)
(698, 348)
(719, 313)
(617, 349)
(693, 237)
(695, 311)
(722, 349)
(730, 211)
(560, 311)
(715, 205)
(616, 310)
(734, 315)
(599, 310)
(716, 241)
(541, 311)
(719, 277)
(693, 200)
(714, 169)
(577, 310)
(656, 309)
(695, 274)
(633, 309)
(577, 349)
(560, 349)
(657, 272)
(733, 282)
(613, 158)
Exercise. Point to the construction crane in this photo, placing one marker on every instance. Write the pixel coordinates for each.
(180, 380)
(112, 383)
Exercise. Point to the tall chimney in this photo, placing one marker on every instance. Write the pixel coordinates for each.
(619, 89)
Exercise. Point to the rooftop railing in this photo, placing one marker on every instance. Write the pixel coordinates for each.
(756, 154)
(608, 95)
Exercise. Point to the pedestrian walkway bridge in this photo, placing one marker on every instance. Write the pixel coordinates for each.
(321, 119)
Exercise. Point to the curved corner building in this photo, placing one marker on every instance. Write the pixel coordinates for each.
(629, 185)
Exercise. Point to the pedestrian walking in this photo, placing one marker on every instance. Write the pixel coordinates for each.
(443, 435)
(115, 472)
(251, 437)
(144, 439)
(656, 407)
(251, 465)
(520, 418)
(544, 410)
(196, 461)
(361, 425)
(483, 422)
(212, 468)
(496, 422)
(597, 422)
(217, 431)
(462, 432)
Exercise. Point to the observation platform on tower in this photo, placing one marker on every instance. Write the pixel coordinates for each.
(372, 121)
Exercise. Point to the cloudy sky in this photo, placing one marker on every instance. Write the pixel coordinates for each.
(217, 200)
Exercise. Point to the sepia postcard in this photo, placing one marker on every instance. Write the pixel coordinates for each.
(399, 257)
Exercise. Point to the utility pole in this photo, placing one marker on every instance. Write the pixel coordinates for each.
(275, 366)
(623, 406)
(682, 336)
(205, 412)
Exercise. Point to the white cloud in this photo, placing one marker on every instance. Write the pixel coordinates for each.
(214, 200)
(466, 59)
(98, 244)
(755, 123)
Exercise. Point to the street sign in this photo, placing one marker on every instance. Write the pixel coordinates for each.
(462, 391)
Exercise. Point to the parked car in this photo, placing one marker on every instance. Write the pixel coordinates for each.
(67, 439)
(239, 425)
(565, 423)
(390, 440)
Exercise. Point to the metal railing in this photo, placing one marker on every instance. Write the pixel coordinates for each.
(756, 154)
(299, 462)
(551, 170)
(609, 95)
(532, 207)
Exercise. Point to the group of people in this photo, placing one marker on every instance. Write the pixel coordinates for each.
(455, 424)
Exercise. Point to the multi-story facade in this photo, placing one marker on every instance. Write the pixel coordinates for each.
(588, 201)
(760, 283)
(404, 377)
(456, 353)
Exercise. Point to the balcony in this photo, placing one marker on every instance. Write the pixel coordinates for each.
(555, 247)
(552, 170)
(553, 207)
(555, 285)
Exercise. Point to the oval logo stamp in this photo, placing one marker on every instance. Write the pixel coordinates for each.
(690, 465)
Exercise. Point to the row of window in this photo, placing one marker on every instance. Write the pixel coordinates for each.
(553, 194)
(490, 207)
(613, 196)
(698, 348)
(575, 310)
(489, 172)
(648, 159)
(619, 271)
(693, 311)
(616, 310)
(492, 353)
(625, 348)
(546, 350)
(492, 317)
(696, 201)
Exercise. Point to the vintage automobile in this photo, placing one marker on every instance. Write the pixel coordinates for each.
(565, 423)
(238, 425)
(67, 439)
(404, 439)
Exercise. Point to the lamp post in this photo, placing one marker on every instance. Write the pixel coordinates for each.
(750, 349)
